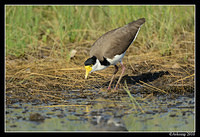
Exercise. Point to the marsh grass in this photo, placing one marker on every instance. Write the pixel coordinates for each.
(135, 104)
(32, 26)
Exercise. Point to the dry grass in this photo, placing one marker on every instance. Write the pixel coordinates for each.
(39, 77)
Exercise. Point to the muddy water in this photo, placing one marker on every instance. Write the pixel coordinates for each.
(101, 113)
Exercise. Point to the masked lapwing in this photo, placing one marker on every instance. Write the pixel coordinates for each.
(111, 47)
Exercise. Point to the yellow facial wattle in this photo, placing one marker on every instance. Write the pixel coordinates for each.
(88, 69)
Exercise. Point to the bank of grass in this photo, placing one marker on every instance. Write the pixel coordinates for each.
(32, 26)
(39, 41)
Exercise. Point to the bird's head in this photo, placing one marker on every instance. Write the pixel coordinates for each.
(89, 65)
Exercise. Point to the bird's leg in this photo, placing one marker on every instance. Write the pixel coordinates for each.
(123, 69)
(116, 70)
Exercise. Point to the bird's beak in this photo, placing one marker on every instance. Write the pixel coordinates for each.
(88, 69)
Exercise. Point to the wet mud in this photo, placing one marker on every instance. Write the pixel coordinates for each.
(101, 111)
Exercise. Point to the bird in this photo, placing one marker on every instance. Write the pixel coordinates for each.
(110, 48)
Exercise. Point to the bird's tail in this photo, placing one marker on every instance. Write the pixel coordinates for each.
(138, 22)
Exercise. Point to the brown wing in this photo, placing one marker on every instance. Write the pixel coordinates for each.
(116, 42)
(100, 45)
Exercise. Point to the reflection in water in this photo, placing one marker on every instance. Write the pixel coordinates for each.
(161, 114)
(108, 123)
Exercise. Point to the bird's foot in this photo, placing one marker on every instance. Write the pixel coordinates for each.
(109, 88)
(115, 89)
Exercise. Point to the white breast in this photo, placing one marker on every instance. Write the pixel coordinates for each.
(97, 66)
(116, 59)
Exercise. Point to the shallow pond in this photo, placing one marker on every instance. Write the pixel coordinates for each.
(159, 113)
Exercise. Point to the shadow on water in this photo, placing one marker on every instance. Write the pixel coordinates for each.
(145, 77)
